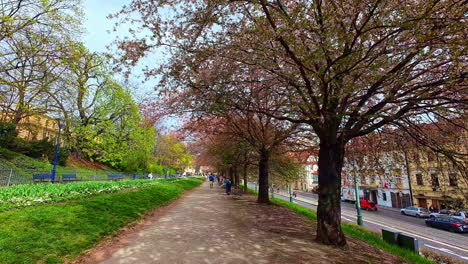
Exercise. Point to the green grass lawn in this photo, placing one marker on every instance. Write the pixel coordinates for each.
(25, 195)
(53, 233)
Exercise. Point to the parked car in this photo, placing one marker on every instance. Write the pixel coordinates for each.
(415, 211)
(443, 212)
(448, 223)
(458, 215)
(368, 205)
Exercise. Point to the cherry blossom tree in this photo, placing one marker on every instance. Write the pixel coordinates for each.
(343, 68)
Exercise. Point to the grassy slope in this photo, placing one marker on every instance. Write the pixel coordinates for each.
(25, 166)
(49, 234)
(358, 232)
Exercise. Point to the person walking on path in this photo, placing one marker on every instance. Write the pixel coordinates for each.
(211, 178)
(228, 185)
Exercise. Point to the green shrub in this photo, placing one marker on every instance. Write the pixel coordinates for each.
(40, 149)
(7, 154)
(8, 133)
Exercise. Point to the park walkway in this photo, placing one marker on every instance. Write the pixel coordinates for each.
(207, 226)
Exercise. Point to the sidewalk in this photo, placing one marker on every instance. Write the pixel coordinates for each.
(208, 226)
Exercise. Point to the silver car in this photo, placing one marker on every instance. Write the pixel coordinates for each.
(415, 211)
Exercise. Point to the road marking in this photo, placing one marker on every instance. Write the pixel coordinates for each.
(405, 231)
(447, 251)
(347, 219)
(399, 229)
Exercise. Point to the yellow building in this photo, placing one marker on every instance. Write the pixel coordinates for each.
(436, 182)
(35, 127)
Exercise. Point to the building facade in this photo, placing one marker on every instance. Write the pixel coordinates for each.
(435, 181)
(384, 182)
(309, 181)
(399, 179)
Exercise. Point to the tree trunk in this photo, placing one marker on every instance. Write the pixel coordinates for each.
(244, 172)
(329, 208)
(263, 196)
(236, 176)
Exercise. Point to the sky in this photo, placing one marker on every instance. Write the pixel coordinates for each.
(99, 35)
(96, 37)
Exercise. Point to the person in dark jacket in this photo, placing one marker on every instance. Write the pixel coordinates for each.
(211, 178)
(228, 184)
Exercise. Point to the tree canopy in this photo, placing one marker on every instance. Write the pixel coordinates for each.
(344, 68)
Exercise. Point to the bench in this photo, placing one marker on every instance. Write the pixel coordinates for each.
(42, 177)
(115, 177)
(69, 177)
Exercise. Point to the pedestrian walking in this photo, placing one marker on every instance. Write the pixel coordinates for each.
(150, 176)
(211, 178)
(228, 185)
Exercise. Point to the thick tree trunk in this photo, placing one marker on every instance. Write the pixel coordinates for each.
(329, 208)
(263, 196)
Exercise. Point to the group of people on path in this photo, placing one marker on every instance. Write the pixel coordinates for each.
(226, 183)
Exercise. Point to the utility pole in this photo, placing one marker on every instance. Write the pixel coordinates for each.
(290, 193)
(408, 173)
(358, 200)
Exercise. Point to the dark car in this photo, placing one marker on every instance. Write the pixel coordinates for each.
(448, 223)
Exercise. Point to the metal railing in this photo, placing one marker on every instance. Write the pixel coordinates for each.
(12, 176)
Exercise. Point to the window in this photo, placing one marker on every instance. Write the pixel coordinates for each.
(315, 178)
(398, 180)
(363, 179)
(435, 179)
(453, 179)
(419, 179)
(384, 196)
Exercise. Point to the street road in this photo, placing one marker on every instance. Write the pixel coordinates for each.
(451, 244)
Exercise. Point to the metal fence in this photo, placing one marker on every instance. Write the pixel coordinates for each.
(13, 176)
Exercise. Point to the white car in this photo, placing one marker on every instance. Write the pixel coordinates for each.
(459, 215)
(443, 212)
(415, 211)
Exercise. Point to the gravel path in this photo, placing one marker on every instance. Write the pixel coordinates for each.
(207, 226)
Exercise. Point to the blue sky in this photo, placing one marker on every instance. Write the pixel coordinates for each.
(96, 24)
(96, 38)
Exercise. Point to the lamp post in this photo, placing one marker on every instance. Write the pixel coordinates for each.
(358, 201)
(57, 150)
(290, 193)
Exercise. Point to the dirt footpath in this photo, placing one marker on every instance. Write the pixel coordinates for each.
(207, 226)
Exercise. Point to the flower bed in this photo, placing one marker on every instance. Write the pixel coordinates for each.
(34, 194)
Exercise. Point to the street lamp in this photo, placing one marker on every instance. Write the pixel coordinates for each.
(358, 201)
(290, 193)
(57, 150)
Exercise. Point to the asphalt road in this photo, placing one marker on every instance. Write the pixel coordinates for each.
(442, 241)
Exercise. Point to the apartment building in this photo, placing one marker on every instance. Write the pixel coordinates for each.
(384, 182)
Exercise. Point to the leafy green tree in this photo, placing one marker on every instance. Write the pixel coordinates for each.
(170, 152)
